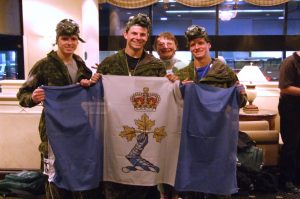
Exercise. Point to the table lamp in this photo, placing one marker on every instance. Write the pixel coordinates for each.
(250, 76)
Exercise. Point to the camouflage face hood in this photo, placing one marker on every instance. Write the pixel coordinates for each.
(68, 27)
(194, 32)
(141, 20)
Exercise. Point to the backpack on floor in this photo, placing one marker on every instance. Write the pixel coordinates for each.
(248, 154)
(29, 181)
(250, 174)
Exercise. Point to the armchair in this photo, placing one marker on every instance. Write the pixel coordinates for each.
(265, 138)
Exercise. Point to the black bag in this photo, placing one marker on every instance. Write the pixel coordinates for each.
(265, 182)
(244, 141)
(250, 175)
(256, 181)
(244, 181)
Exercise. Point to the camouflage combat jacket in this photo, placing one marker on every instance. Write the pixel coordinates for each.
(219, 75)
(49, 71)
(117, 65)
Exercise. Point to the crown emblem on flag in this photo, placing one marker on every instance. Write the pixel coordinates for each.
(145, 101)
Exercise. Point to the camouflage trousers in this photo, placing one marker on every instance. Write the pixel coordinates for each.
(121, 191)
(199, 195)
(54, 192)
(167, 191)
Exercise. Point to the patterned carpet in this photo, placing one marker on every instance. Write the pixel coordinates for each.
(278, 195)
(275, 195)
(154, 194)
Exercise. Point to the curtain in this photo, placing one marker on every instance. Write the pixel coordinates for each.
(200, 3)
(129, 4)
(266, 2)
(192, 3)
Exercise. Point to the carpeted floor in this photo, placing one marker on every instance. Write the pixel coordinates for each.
(278, 195)
(243, 195)
(263, 195)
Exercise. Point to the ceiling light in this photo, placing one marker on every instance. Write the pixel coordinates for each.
(189, 11)
(227, 15)
(228, 12)
(213, 11)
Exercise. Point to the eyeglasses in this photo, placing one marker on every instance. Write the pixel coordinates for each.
(168, 44)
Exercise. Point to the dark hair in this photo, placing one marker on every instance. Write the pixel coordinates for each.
(166, 35)
(67, 27)
(194, 32)
(141, 20)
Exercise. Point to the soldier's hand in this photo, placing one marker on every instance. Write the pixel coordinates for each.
(172, 77)
(241, 88)
(85, 83)
(187, 81)
(38, 95)
(95, 78)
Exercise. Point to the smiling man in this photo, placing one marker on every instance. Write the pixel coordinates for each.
(204, 69)
(59, 68)
(134, 60)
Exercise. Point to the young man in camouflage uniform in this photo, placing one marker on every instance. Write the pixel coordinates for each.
(59, 68)
(132, 61)
(206, 70)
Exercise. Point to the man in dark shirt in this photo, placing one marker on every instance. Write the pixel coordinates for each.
(289, 110)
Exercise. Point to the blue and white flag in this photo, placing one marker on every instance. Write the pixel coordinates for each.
(142, 130)
(207, 157)
(73, 125)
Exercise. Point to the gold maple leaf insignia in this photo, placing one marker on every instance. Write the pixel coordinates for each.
(144, 124)
(159, 133)
(128, 133)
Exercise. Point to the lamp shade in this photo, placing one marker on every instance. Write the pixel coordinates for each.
(251, 74)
